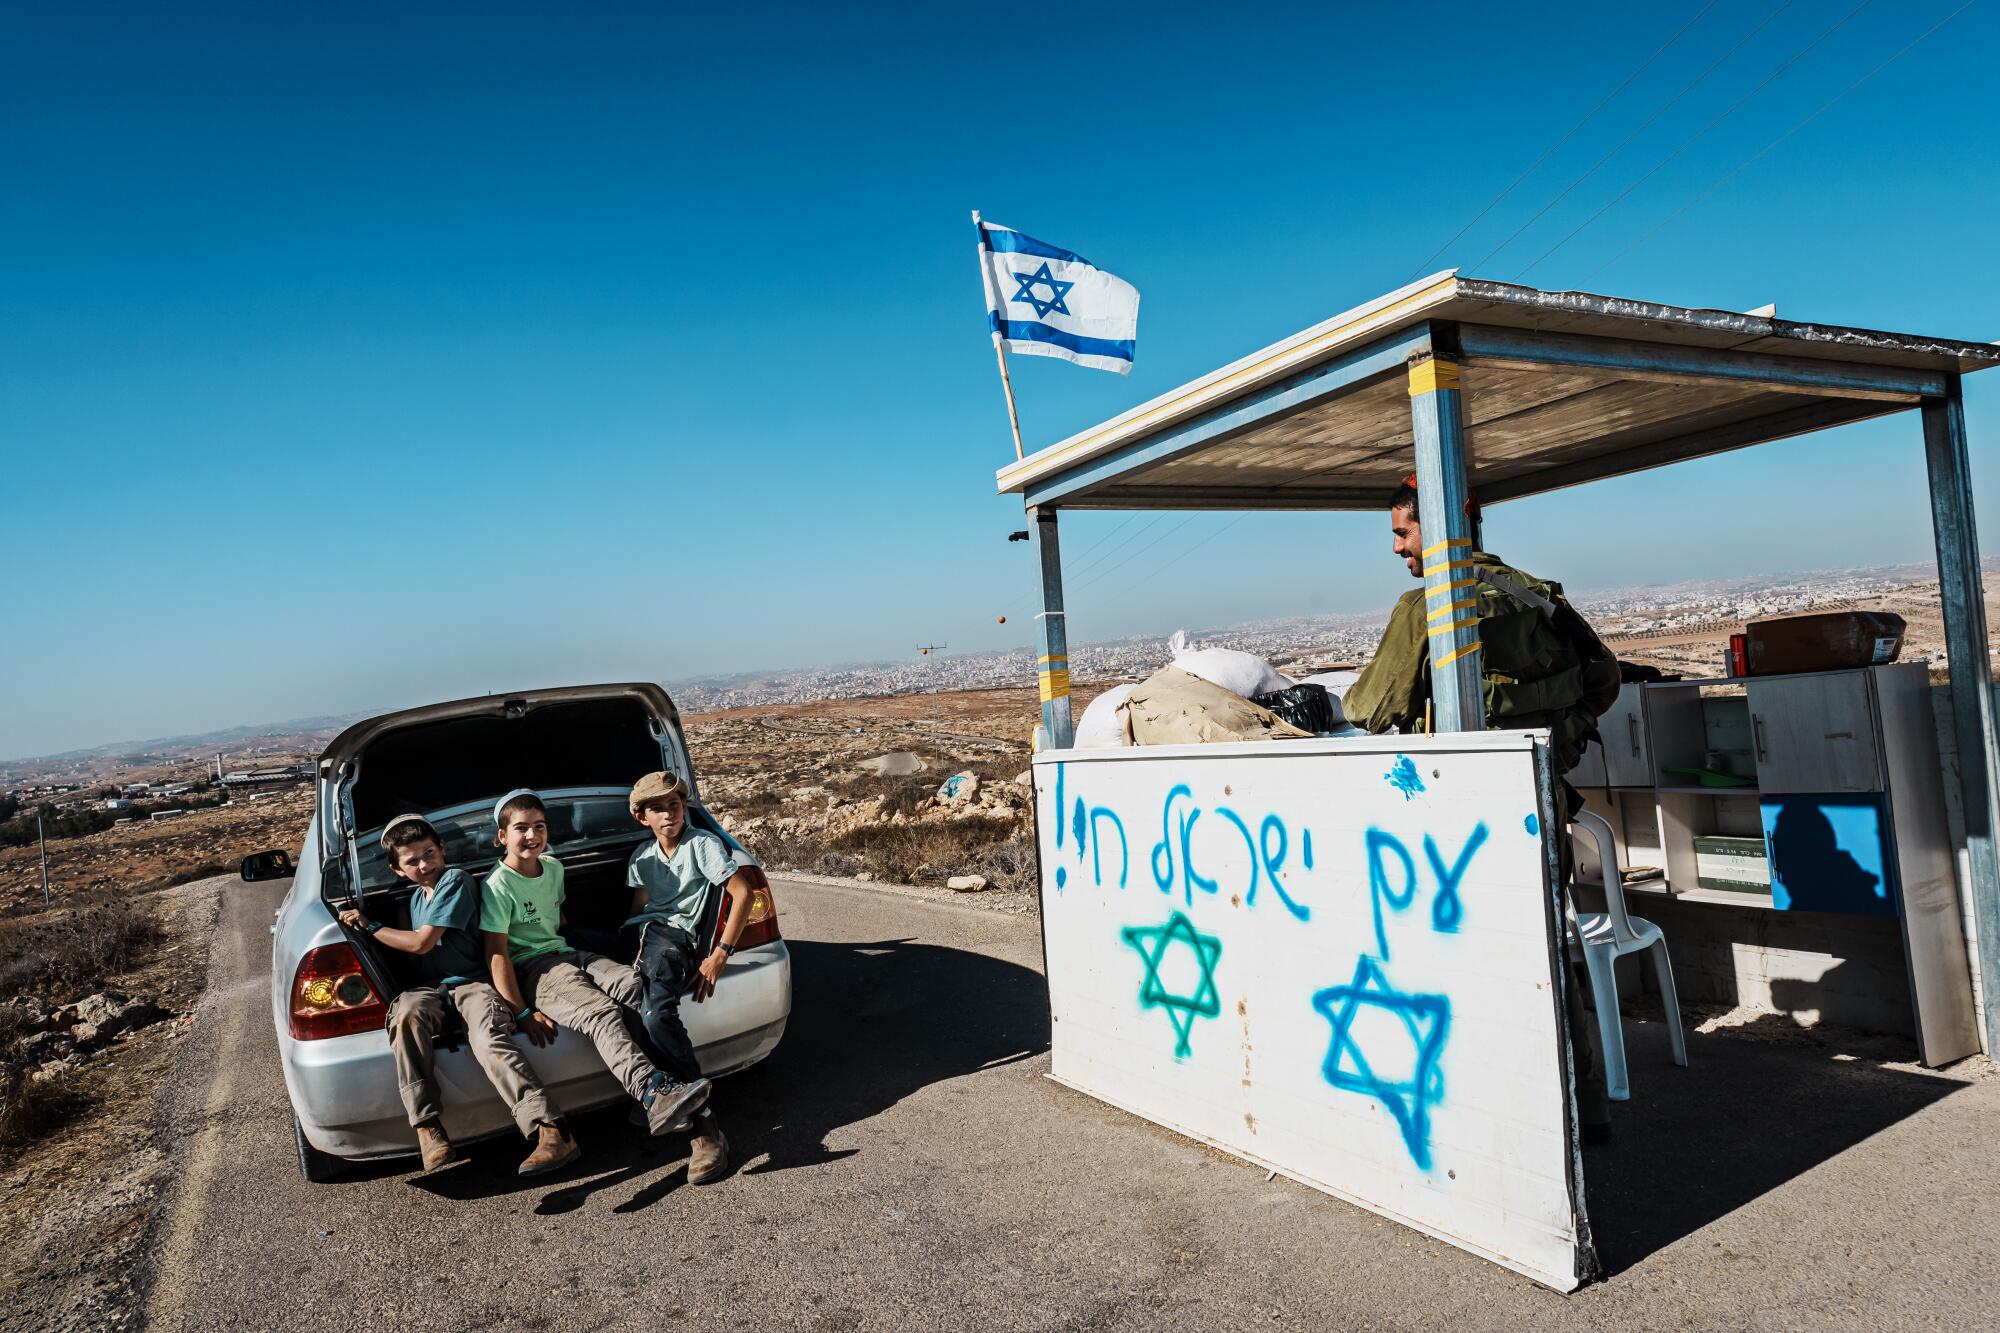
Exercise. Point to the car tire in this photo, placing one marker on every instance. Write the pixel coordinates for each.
(316, 1166)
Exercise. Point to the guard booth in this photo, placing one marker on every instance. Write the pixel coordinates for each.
(1344, 959)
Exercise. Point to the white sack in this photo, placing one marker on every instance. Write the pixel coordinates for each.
(1238, 672)
(1103, 722)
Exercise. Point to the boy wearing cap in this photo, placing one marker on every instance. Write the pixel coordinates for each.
(444, 938)
(544, 982)
(670, 877)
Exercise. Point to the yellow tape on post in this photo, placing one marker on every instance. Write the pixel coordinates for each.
(1445, 545)
(1432, 375)
(1448, 566)
(1443, 588)
(1463, 604)
(1455, 654)
(1055, 684)
(1440, 631)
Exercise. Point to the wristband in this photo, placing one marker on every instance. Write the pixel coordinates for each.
(728, 950)
(525, 1014)
(372, 927)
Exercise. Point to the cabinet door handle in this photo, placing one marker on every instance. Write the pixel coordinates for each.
(1757, 731)
(1633, 723)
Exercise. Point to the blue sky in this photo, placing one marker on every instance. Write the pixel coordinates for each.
(371, 355)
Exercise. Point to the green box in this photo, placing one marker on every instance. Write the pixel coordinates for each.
(1732, 865)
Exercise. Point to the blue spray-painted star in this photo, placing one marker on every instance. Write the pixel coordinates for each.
(1041, 277)
(1152, 942)
(1427, 1019)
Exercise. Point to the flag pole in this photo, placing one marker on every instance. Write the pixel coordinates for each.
(999, 346)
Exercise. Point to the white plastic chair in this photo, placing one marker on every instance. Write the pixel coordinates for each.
(1601, 939)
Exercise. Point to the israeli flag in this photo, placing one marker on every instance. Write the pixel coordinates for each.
(1048, 302)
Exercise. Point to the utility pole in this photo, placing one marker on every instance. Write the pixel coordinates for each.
(43, 840)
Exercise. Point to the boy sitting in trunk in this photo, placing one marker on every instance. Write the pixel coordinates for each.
(671, 875)
(544, 982)
(444, 937)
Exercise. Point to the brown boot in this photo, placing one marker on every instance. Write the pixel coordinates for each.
(553, 1148)
(436, 1148)
(708, 1152)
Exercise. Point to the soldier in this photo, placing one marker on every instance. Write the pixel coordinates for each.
(1543, 666)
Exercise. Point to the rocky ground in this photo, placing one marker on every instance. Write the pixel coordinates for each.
(76, 1201)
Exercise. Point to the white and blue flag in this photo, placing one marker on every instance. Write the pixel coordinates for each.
(1043, 301)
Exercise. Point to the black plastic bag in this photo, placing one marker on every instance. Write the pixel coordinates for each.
(1307, 707)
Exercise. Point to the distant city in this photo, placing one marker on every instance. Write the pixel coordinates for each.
(1320, 642)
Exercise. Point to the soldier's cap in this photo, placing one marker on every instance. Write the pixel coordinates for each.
(657, 787)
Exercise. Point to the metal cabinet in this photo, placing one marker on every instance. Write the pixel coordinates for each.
(1627, 753)
(1816, 733)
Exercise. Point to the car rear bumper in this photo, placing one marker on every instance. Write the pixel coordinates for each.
(343, 1089)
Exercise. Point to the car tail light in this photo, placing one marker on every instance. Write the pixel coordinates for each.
(760, 926)
(332, 996)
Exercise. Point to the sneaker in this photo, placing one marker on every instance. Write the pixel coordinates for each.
(437, 1149)
(708, 1154)
(553, 1148)
(669, 1105)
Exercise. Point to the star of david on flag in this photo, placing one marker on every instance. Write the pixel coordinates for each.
(1045, 301)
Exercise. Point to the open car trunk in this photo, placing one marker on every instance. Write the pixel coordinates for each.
(581, 748)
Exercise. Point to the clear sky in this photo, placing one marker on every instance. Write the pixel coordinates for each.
(361, 356)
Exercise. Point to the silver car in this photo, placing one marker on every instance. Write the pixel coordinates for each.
(581, 748)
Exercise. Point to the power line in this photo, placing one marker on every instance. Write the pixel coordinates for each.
(1158, 569)
(1136, 554)
(1690, 141)
(1699, 79)
(1740, 167)
(1495, 201)
(1122, 524)
(1099, 562)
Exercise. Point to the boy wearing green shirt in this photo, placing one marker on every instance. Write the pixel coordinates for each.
(544, 982)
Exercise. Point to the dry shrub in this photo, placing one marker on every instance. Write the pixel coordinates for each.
(71, 951)
(931, 853)
(31, 1107)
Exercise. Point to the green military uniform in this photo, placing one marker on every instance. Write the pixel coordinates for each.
(1543, 665)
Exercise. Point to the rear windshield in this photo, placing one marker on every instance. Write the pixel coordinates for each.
(578, 821)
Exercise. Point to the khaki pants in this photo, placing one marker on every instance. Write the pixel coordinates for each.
(416, 1018)
(585, 992)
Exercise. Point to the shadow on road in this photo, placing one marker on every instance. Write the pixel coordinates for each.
(1747, 1115)
(871, 1024)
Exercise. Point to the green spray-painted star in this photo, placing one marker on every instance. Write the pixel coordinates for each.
(1151, 943)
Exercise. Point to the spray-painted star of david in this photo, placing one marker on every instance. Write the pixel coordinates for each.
(1041, 277)
(1426, 1018)
(1152, 942)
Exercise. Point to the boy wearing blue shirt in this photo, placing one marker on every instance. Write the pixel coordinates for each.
(450, 966)
(670, 876)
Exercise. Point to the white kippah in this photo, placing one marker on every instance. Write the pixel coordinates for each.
(501, 804)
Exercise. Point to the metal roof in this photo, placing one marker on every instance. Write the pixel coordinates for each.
(1559, 388)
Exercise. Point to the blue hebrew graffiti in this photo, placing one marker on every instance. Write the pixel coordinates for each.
(1083, 822)
(1267, 857)
(1378, 882)
(1446, 909)
(1403, 777)
(1151, 942)
(1426, 1020)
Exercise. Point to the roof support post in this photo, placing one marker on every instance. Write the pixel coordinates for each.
(1439, 420)
(1972, 705)
(1052, 668)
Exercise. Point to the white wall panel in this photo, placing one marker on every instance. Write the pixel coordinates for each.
(1330, 957)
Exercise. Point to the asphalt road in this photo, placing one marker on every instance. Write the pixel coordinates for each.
(903, 1163)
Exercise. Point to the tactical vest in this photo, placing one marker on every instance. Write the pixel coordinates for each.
(1538, 667)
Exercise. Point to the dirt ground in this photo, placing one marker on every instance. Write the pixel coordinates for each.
(75, 1208)
(155, 853)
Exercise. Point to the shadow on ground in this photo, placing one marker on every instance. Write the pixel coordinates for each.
(1747, 1115)
(871, 1024)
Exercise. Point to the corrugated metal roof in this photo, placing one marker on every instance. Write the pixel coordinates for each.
(1238, 437)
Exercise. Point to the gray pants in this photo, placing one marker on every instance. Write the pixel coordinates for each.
(416, 1018)
(585, 992)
